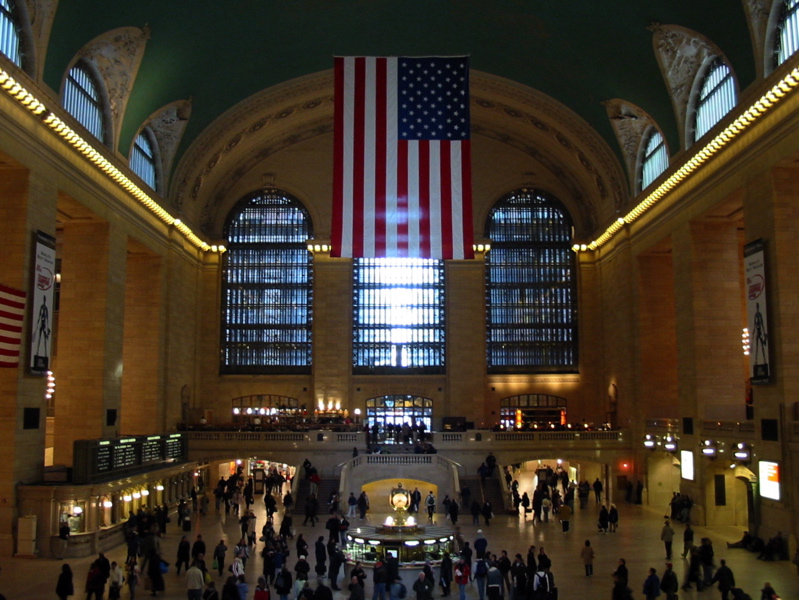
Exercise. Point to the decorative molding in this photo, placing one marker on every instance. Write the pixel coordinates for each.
(757, 16)
(117, 54)
(298, 110)
(681, 53)
(168, 125)
(629, 123)
(41, 14)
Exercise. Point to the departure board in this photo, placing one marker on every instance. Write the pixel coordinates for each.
(152, 449)
(104, 456)
(125, 453)
(173, 447)
(98, 460)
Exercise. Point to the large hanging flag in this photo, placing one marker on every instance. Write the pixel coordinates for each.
(402, 160)
(12, 312)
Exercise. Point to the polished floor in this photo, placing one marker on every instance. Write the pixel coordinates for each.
(637, 540)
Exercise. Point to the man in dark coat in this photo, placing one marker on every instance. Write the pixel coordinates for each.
(725, 579)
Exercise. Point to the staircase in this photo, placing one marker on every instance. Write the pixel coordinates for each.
(491, 490)
(326, 486)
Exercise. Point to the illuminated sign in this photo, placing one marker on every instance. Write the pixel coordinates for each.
(687, 464)
(769, 473)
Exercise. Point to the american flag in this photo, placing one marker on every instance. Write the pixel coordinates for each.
(402, 159)
(12, 312)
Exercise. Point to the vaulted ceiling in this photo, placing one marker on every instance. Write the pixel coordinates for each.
(220, 53)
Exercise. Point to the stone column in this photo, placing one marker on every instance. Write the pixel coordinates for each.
(466, 344)
(332, 332)
(90, 335)
(142, 346)
(710, 361)
(27, 204)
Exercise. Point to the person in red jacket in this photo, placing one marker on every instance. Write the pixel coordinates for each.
(462, 575)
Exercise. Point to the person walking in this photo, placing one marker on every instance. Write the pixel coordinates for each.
(725, 578)
(423, 587)
(613, 518)
(462, 575)
(116, 578)
(687, 540)
(64, 587)
(195, 582)
(480, 574)
(565, 515)
(652, 585)
(430, 504)
(220, 552)
(587, 554)
(667, 535)
(445, 574)
(669, 584)
(184, 554)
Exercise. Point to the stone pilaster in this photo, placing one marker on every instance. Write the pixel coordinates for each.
(90, 366)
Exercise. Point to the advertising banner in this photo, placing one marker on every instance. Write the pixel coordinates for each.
(756, 312)
(41, 303)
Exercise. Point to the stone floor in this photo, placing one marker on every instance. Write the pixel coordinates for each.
(637, 540)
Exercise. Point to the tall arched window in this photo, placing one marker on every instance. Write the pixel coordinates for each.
(655, 158)
(82, 100)
(531, 289)
(788, 31)
(9, 32)
(267, 287)
(716, 98)
(142, 157)
(398, 315)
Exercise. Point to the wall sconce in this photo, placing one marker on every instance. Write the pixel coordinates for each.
(670, 443)
(77, 510)
(145, 492)
(108, 504)
(137, 495)
(127, 497)
(236, 410)
(742, 452)
(709, 448)
(649, 441)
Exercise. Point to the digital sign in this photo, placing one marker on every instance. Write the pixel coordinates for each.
(687, 464)
(769, 474)
(98, 460)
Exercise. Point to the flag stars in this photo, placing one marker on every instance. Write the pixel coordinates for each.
(432, 93)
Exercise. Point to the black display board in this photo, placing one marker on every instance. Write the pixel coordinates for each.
(98, 460)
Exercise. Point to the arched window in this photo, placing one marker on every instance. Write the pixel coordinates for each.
(267, 287)
(530, 286)
(83, 101)
(398, 315)
(142, 157)
(9, 32)
(655, 158)
(716, 98)
(788, 31)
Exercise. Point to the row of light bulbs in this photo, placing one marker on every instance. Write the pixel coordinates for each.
(734, 129)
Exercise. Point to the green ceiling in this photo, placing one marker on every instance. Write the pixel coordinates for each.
(219, 53)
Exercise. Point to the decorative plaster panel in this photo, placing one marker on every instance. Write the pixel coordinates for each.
(117, 54)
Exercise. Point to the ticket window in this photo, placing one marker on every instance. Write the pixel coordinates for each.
(74, 514)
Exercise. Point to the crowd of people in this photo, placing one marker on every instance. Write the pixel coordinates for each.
(495, 573)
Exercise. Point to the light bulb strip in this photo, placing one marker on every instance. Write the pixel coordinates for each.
(745, 120)
(32, 104)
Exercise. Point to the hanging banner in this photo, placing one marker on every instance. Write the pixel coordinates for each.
(42, 304)
(757, 314)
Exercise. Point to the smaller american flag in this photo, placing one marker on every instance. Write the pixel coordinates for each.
(12, 312)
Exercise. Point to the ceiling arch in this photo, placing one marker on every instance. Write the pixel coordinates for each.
(238, 147)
